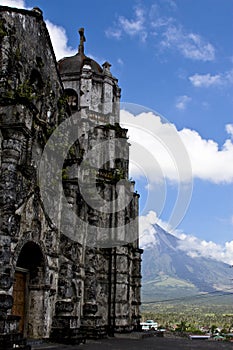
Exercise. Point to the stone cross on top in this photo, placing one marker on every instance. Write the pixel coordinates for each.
(82, 40)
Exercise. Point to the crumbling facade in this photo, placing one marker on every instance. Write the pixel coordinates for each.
(70, 261)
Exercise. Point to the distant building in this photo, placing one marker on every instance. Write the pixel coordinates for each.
(60, 276)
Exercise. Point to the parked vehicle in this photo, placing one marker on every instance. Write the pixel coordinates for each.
(149, 325)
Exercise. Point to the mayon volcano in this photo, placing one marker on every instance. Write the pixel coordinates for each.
(170, 272)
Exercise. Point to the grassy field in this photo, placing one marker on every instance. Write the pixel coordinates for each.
(206, 310)
(166, 288)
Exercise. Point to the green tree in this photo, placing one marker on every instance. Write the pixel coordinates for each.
(181, 327)
(213, 329)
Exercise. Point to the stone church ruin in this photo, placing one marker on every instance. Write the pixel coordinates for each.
(70, 264)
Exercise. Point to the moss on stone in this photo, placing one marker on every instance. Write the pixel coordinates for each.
(3, 31)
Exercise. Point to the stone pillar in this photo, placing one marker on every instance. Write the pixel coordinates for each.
(107, 97)
(135, 286)
(121, 296)
(66, 322)
(90, 321)
(135, 281)
(11, 152)
(85, 85)
(12, 145)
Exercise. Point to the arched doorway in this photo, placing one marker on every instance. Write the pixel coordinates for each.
(28, 290)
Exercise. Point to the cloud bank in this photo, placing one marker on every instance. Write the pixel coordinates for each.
(209, 160)
(192, 245)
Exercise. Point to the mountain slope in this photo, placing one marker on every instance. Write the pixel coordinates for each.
(169, 272)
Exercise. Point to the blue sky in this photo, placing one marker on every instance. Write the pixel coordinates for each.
(174, 57)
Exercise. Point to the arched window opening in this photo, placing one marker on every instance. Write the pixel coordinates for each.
(36, 80)
(72, 99)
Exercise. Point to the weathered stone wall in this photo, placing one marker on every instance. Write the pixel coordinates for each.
(87, 284)
(112, 281)
(30, 108)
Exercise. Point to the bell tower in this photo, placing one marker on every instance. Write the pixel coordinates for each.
(91, 89)
(111, 271)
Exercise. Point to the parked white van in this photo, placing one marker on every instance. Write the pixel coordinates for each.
(149, 324)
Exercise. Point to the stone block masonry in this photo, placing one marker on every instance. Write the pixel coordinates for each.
(53, 284)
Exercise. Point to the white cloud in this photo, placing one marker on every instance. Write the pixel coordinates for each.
(228, 76)
(157, 21)
(208, 249)
(172, 4)
(207, 80)
(135, 25)
(190, 45)
(209, 161)
(170, 34)
(166, 153)
(182, 102)
(146, 229)
(131, 27)
(13, 3)
(160, 22)
(60, 41)
(115, 33)
(156, 151)
(157, 154)
(229, 129)
(194, 246)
